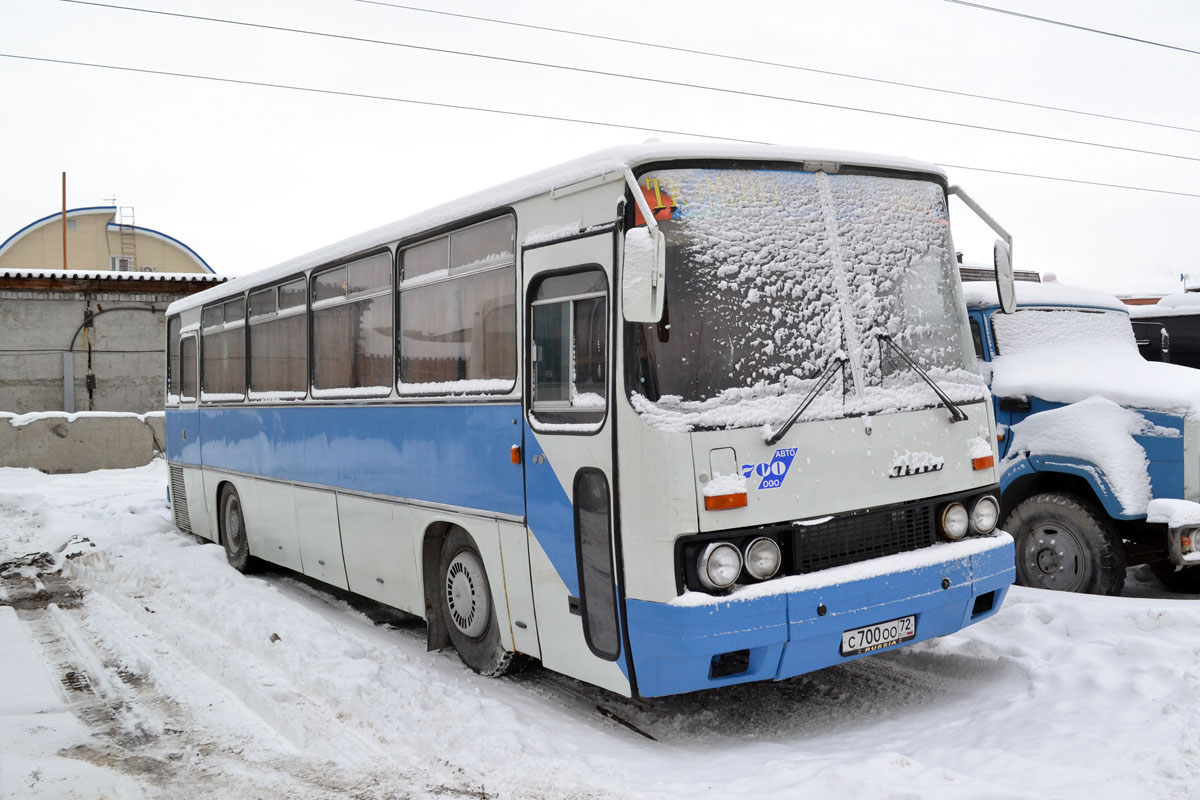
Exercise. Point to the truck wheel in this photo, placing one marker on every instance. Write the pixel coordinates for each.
(1184, 581)
(1065, 543)
(466, 599)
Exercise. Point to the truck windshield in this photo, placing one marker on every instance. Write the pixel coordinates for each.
(772, 274)
(1038, 328)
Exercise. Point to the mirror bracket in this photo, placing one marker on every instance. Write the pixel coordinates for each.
(1001, 252)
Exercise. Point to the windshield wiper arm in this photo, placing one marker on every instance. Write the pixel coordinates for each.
(834, 366)
(956, 413)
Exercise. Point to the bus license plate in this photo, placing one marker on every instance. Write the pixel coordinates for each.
(879, 635)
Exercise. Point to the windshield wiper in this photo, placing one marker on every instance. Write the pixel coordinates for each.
(834, 366)
(956, 413)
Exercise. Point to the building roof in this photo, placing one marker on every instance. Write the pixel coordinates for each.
(112, 275)
(67, 280)
(100, 210)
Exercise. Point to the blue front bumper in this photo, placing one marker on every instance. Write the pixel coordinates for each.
(789, 632)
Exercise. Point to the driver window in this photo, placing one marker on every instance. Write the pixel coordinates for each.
(569, 331)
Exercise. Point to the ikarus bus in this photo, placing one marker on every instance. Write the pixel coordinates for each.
(663, 418)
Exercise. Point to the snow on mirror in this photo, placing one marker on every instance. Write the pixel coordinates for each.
(774, 274)
(642, 276)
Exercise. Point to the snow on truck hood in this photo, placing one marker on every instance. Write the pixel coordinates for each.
(1103, 362)
(1072, 374)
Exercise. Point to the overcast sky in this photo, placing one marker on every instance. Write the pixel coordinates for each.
(250, 176)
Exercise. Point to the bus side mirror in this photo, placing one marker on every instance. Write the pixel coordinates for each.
(643, 275)
(1005, 289)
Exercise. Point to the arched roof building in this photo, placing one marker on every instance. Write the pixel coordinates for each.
(97, 240)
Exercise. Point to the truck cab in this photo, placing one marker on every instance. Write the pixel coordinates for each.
(1100, 448)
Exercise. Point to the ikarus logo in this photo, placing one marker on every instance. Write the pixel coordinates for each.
(771, 472)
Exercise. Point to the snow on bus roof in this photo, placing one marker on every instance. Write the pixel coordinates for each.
(982, 294)
(604, 162)
(1173, 305)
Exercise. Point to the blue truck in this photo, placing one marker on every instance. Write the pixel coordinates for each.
(1100, 448)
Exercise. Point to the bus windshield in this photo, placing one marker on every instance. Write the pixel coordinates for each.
(774, 276)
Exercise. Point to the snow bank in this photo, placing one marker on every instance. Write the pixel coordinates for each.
(21, 420)
(1057, 696)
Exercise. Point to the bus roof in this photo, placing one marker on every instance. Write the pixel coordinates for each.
(982, 294)
(598, 164)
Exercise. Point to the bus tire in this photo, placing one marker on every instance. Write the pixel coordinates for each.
(1184, 581)
(232, 525)
(1064, 543)
(466, 605)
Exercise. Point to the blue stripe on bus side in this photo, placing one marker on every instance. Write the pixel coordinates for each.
(551, 517)
(454, 455)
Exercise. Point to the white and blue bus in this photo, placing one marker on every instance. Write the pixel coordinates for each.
(664, 418)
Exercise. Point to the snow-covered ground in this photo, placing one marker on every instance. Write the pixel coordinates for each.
(146, 667)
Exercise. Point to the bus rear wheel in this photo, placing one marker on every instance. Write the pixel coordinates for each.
(1064, 543)
(466, 600)
(233, 529)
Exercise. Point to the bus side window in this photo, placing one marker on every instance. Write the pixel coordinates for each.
(187, 368)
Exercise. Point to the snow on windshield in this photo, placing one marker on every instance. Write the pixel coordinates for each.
(772, 275)
(1037, 328)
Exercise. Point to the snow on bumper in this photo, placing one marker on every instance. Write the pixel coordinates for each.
(793, 625)
(1182, 518)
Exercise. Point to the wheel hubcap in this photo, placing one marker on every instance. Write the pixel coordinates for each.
(466, 595)
(1053, 558)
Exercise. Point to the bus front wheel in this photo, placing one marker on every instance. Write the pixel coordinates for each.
(466, 600)
(233, 529)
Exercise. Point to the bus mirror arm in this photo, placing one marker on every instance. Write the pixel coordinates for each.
(644, 268)
(956, 413)
(1001, 252)
(834, 366)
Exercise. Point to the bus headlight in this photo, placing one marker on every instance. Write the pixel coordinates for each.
(985, 515)
(719, 566)
(763, 558)
(954, 521)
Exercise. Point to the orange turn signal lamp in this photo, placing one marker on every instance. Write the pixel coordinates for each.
(720, 502)
(983, 462)
(514, 454)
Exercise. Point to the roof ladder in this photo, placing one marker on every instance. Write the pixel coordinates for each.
(128, 243)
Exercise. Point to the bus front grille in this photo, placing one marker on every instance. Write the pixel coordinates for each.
(179, 500)
(859, 537)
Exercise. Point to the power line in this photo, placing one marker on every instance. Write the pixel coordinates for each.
(1068, 180)
(781, 65)
(1075, 27)
(530, 115)
(340, 93)
(660, 81)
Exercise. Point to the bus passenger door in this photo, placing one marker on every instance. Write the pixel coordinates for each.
(569, 454)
